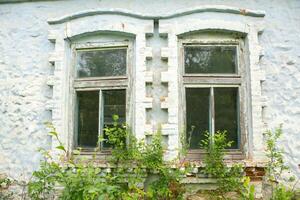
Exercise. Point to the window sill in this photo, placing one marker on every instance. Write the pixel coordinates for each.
(231, 154)
(90, 153)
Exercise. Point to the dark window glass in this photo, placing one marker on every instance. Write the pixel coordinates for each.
(210, 59)
(197, 115)
(88, 109)
(101, 62)
(114, 103)
(226, 113)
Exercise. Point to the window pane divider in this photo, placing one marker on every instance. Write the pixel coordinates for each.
(213, 75)
(100, 83)
(209, 80)
(101, 78)
(100, 129)
(196, 43)
(212, 114)
(210, 85)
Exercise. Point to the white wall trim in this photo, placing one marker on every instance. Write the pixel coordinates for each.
(172, 28)
(61, 35)
(173, 14)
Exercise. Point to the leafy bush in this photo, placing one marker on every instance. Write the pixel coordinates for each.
(229, 179)
(168, 186)
(45, 180)
(276, 167)
(4, 185)
(282, 193)
(131, 162)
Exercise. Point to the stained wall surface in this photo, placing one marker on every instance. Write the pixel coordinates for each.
(24, 68)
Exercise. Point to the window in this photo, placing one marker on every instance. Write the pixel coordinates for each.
(212, 85)
(101, 62)
(101, 85)
(212, 109)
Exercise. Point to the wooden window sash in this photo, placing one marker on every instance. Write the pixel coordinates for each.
(100, 84)
(212, 80)
(220, 44)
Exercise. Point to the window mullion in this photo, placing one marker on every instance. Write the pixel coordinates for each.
(100, 126)
(76, 116)
(238, 116)
(212, 113)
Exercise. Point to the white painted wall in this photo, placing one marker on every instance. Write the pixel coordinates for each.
(24, 65)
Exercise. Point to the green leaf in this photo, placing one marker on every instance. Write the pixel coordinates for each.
(60, 147)
(252, 192)
(76, 152)
(102, 197)
(53, 133)
(115, 117)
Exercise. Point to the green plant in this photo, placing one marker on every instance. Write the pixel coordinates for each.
(131, 162)
(84, 182)
(281, 192)
(215, 146)
(229, 179)
(117, 136)
(276, 166)
(45, 180)
(168, 186)
(248, 191)
(153, 153)
(5, 182)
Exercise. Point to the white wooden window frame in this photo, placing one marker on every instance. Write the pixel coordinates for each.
(211, 80)
(99, 84)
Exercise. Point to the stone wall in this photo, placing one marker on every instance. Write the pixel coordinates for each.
(33, 84)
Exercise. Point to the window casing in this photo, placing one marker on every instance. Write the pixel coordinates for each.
(212, 91)
(101, 88)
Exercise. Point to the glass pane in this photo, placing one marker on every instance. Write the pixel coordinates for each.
(114, 103)
(197, 115)
(88, 104)
(101, 62)
(226, 113)
(210, 59)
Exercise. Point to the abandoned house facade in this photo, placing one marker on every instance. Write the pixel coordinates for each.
(211, 65)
